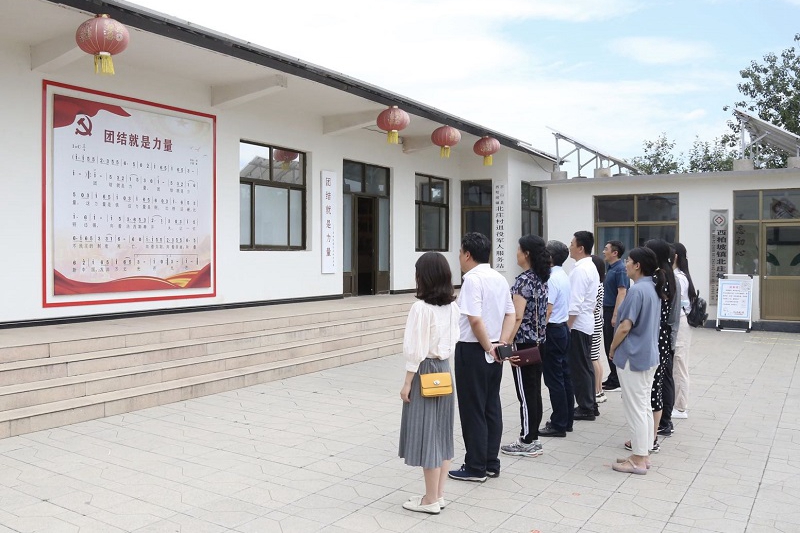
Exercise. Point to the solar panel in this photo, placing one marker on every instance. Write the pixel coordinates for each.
(761, 131)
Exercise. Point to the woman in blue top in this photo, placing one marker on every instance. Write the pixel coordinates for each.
(634, 352)
(529, 294)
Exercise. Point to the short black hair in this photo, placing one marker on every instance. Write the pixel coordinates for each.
(558, 252)
(646, 258)
(618, 247)
(478, 246)
(586, 240)
(434, 279)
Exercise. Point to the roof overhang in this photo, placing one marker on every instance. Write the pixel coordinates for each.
(159, 24)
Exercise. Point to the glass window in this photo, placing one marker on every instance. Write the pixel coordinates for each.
(272, 216)
(377, 180)
(432, 213)
(657, 208)
(245, 211)
(532, 213)
(745, 205)
(353, 176)
(383, 234)
(623, 234)
(667, 232)
(347, 208)
(476, 193)
(272, 188)
(780, 204)
(635, 219)
(745, 248)
(614, 209)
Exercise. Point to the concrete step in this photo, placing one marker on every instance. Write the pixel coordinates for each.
(61, 374)
(74, 385)
(34, 370)
(54, 414)
(19, 344)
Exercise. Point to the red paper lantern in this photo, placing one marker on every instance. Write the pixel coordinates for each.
(392, 120)
(445, 137)
(486, 146)
(285, 157)
(102, 37)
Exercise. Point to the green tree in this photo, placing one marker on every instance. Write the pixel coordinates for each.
(772, 92)
(658, 157)
(710, 156)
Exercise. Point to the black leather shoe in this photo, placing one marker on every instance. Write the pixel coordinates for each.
(588, 415)
(550, 431)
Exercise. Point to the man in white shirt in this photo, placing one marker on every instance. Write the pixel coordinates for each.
(487, 319)
(555, 366)
(584, 282)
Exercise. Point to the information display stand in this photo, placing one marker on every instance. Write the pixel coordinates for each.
(735, 300)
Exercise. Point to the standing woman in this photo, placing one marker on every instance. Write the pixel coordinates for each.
(426, 427)
(666, 351)
(597, 336)
(634, 352)
(681, 364)
(529, 294)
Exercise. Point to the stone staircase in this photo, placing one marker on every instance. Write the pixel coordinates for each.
(62, 374)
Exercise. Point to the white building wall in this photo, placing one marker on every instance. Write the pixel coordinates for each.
(279, 119)
(570, 207)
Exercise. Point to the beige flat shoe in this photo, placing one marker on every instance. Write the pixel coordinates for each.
(623, 459)
(627, 467)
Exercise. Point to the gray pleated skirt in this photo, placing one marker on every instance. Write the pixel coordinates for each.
(426, 427)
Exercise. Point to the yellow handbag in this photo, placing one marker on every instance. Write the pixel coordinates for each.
(436, 384)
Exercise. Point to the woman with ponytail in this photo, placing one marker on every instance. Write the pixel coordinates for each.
(634, 351)
(663, 386)
(684, 340)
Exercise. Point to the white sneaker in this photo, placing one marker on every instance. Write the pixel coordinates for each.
(600, 397)
(679, 414)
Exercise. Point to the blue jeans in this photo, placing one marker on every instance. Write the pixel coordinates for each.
(555, 369)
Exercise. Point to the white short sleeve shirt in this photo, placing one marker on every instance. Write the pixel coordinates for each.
(487, 294)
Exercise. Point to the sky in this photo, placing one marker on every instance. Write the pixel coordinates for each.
(609, 73)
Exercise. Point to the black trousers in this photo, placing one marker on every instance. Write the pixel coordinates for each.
(608, 336)
(528, 382)
(479, 408)
(582, 371)
(668, 389)
(555, 369)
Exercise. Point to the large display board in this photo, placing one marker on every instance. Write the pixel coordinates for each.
(129, 188)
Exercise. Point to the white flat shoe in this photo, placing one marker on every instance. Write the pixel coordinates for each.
(679, 414)
(443, 503)
(415, 504)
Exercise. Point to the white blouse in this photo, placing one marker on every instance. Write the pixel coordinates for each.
(431, 331)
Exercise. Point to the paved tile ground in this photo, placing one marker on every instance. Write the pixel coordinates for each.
(318, 453)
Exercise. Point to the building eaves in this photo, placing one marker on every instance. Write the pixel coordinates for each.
(186, 32)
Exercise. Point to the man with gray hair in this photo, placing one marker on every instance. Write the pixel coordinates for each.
(555, 367)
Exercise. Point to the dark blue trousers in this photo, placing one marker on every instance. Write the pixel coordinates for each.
(555, 369)
(478, 390)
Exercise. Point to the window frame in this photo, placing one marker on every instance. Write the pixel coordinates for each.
(444, 204)
(527, 212)
(289, 187)
(636, 224)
